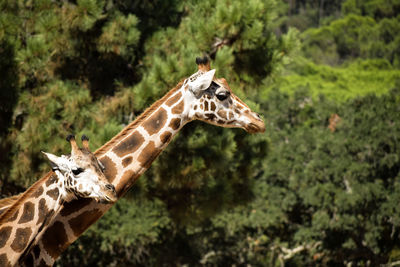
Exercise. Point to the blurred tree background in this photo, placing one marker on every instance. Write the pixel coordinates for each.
(320, 188)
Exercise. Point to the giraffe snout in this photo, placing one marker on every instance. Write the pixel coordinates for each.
(110, 187)
(110, 194)
(256, 124)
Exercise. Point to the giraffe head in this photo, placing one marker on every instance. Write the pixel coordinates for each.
(82, 173)
(212, 101)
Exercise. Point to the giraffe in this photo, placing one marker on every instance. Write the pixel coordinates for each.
(127, 155)
(26, 216)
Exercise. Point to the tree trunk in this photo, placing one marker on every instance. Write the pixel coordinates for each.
(321, 11)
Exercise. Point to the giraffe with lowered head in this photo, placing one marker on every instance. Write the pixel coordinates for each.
(25, 217)
(126, 156)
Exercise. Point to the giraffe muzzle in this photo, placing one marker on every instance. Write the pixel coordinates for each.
(255, 128)
(256, 125)
(109, 194)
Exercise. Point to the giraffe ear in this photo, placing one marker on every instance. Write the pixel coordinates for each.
(57, 163)
(202, 82)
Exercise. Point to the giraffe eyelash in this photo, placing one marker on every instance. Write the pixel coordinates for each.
(223, 95)
(77, 171)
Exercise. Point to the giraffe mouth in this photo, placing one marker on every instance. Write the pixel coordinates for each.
(255, 127)
(106, 199)
(107, 196)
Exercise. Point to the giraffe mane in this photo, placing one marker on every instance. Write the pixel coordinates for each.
(5, 203)
(142, 117)
(17, 200)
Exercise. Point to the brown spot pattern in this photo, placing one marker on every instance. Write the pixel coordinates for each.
(165, 137)
(4, 235)
(178, 109)
(81, 222)
(38, 192)
(174, 99)
(43, 212)
(53, 179)
(53, 237)
(14, 217)
(27, 213)
(206, 105)
(210, 116)
(74, 206)
(156, 121)
(175, 123)
(110, 170)
(4, 260)
(148, 154)
(53, 193)
(222, 114)
(21, 239)
(126, 161)
(129, 145)
(126, 182)
(213, 107)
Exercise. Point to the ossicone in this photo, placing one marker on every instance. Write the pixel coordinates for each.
(70, 137)
(84, 138)
(74, 147)
(203, 63)
(85, 142)
(204, 60)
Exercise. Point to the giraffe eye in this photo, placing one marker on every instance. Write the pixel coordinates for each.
(223, 95)
(77, 171)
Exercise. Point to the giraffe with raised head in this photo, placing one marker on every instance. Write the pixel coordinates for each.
(126, 156)
(26, 216)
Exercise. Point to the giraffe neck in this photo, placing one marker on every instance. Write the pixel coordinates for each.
(130, 156)
(28, 217)
(125, 158)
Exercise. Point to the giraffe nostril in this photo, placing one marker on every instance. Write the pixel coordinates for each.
(110, 187)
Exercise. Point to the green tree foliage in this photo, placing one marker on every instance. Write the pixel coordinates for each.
(340, 83)
(299, 195)
(374, 36)
(333, 190)
(59, 51)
